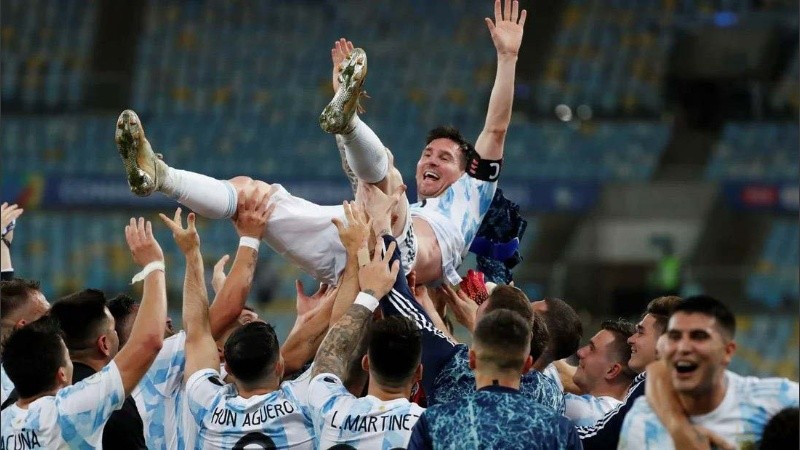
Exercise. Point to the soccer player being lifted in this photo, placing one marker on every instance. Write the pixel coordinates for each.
(455, 181)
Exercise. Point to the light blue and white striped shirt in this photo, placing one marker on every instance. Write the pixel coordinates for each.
(279, 419)
(72, 419)
(748, 405)
(367, 422)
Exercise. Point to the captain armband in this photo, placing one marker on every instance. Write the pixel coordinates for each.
(484, 169)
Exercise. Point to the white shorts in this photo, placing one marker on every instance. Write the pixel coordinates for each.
(302, 232)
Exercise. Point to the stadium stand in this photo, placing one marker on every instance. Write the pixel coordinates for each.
(756, 152)
(46, 52)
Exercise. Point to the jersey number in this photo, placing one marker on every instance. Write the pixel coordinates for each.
(255, 440)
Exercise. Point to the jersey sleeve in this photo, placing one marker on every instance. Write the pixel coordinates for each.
(165, 375)
(325, 393)
(202, 390)
(773, 394)
(437, 348)
(586, 410)
(84, 408)
(632, 435)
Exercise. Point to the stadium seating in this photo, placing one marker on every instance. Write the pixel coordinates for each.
(47, 47)
(95, 253)
(597, 152)
(767, 346)
(756, 152)
(776, 278)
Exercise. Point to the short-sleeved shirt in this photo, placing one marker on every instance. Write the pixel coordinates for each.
(159, 398)
(457, 380)
(494, 417)
(455, 217)
(586, 410)
(279, 419)
(748, 405)
(72, 419)
(367, 422)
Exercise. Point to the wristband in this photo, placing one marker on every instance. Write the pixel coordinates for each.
(147, 270)
(367, 301)
(247, 241)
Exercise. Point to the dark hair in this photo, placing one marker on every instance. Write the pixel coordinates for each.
(782, 430)
(565, 327)
(540, 336)
(710, 306)
(32, 356)
(251, 351)
(661, 308)
(452, 133)
(14, 293)
(82, 316)
(121, 306)
(504, 338)
(511, 298)
(395, 349)
(622, 330)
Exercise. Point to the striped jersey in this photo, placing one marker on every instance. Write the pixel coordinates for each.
(159, 398)
(72, 419)
(340, 418)
(586, 410)
(6, 385)
(455, 217)
(748, 405)
(278, 419)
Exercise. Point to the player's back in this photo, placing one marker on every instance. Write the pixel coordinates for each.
(457, 380)
(72, 419)
(226, 420)
(366, 422)
(494, 417)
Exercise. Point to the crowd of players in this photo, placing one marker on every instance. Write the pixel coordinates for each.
(371, 361)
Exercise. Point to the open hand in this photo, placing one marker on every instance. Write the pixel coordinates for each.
(9, 214)
(506, 30)
(306, 303)
(463, 307)
(376, 276)
(339, 52)
(253, 211)
(143, 246)
(218, 277)
(186, 238)
(355, 234)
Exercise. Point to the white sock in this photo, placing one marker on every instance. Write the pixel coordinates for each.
(206, 196)
(365, 152)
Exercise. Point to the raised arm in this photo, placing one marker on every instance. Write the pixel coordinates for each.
(304, 340)
(354, 236)
(147, 333)
(313, 316)
(251, 218)
(10, 213)
(506, 32)
(201, 351)
(376, 279)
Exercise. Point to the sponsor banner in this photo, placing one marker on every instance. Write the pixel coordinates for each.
(763, 196)
(102, 192)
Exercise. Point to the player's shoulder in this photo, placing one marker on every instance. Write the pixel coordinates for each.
(756, 389)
